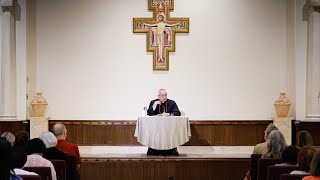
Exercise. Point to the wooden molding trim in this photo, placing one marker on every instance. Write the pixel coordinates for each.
(204, 133)
(158, 159)
(133, 122)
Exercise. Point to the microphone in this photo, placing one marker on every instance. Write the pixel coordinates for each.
(159, 108)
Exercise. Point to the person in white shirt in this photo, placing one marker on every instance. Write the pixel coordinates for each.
(19, 159)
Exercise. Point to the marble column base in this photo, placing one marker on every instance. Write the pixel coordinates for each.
(284, 125)
(37, 126)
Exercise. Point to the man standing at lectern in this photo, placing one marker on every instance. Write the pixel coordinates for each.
(166, 107)
(163, 105)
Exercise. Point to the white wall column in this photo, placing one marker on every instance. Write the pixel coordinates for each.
(313, 62)
(8, 89)
(21, 59)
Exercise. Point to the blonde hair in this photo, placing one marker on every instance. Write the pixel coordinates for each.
(9, 136)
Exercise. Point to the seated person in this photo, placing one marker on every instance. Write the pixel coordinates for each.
(275, 144)
(314, 168)
(164, 106)
(9, 136)
(262, 147)
(60, 131)
(289, 156)
(304, 160)
(22, 139)
(6, 170)
(304, 138)
(19, 159)
(35, 150)
(51, 152)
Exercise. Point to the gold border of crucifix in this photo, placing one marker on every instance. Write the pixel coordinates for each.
(175, 22)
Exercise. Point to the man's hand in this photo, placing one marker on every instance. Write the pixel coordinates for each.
(154, 106)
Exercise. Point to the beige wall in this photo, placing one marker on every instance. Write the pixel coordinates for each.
(232, 64)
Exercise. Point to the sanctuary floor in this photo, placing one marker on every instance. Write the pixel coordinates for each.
(134, 152)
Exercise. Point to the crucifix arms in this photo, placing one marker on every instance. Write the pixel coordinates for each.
(161, 24)
(172, 25)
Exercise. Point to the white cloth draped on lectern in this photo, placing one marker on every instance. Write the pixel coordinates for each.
(163, 132)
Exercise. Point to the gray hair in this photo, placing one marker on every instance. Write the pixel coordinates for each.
(162, 90)
(49, 139)
(59, 129)
(9, 136)
(276, 144)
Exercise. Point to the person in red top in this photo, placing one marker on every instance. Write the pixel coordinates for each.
(60, 131)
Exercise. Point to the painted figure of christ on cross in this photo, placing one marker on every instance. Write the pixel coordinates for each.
(161, 31)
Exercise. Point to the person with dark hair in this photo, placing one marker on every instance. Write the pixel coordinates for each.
(304, 138)
(35, 150)
(19, 159)
(6, 170)
(22, 139)
(314, 168)
(290, 156)
(304, 160)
